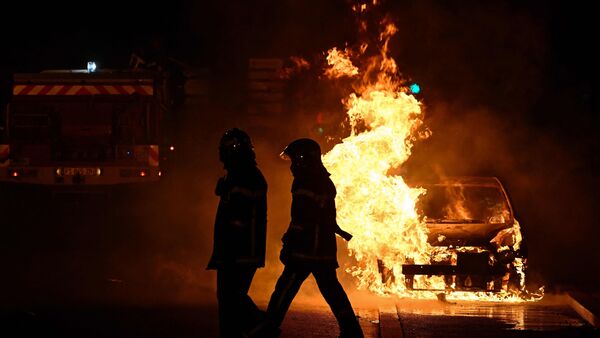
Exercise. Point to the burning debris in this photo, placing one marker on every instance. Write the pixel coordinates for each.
(380, 209)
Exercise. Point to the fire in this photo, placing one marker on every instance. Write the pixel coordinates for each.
(457, 209)
(340, 64)
(378, 208)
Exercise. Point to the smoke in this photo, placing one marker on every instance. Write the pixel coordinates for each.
(484, 70)
(174, 226)
(493, 111)
(546, 180)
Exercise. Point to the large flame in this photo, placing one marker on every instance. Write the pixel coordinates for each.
(378, 208)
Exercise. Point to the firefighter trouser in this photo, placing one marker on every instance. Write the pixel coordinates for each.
(237, 311)
(288, 285)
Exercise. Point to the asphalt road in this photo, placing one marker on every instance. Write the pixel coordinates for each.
(551, 317)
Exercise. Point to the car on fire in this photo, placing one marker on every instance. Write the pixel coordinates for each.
(476, 241)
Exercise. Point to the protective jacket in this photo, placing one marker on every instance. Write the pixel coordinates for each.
(240, 224)
(310, 239)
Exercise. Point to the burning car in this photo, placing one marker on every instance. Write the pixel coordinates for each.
(476, 243)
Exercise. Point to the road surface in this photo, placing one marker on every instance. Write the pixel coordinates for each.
(551, 317)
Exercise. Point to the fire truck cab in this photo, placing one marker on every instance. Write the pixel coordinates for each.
(76, 127)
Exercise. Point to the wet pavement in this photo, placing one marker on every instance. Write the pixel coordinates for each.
(551, 317)
(554, 316)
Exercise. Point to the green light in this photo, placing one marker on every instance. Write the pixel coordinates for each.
(320, 130)
(415, 88)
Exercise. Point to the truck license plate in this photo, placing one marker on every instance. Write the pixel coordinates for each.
(79, 171)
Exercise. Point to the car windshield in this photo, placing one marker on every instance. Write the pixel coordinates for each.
(463, 204)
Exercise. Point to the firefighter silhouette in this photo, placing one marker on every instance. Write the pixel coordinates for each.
(309, 244)
(240, 233)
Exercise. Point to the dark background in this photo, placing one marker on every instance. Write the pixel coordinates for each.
(509, 89)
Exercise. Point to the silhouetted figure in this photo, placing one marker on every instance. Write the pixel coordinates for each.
(309, 245)
(240, 233)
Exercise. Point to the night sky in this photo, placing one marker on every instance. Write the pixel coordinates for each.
(509, 87)
(508, 55)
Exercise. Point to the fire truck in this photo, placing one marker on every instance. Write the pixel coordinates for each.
(82, 127)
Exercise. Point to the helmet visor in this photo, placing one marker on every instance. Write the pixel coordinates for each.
(284, 156)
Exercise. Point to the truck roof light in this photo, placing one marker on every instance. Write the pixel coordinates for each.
(91, 66)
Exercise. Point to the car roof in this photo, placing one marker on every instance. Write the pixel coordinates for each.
(479, 181)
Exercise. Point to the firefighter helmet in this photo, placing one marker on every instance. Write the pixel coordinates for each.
(303, 153)
(236, 146)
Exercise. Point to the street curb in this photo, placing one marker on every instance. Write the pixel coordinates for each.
(586, 314)
(389, 323)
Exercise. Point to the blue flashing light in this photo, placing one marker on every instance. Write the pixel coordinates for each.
(91, 66)
(415, 88)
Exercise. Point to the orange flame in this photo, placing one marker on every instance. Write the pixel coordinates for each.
(379, 209)
(376, 207)
(457, 209)
(340, 63)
